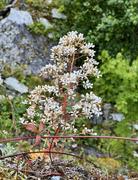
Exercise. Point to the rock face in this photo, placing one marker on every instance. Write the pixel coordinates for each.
(18, 45)
(19, 17)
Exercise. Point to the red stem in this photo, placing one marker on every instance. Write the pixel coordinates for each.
(51, 145)
(68, 137)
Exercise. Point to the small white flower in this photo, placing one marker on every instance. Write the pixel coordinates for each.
(87, 84)
(31, 111)
(22, 120)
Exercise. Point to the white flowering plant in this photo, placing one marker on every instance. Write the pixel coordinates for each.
(55, 106)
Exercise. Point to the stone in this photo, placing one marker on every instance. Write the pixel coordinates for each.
(50, 35)
(19, 46)
(125, 177)
(55, 178)
(56, 14)
(107, 110)
(135, 126)
(19, 17)
(93, 152)
(97, 119)
(117, 117)
(46, 23)
(49, 1)
(14, 84)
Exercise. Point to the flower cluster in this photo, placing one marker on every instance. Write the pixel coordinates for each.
(58, 103)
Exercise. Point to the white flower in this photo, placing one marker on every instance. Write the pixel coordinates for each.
(58, 102)
(24, 102)
(52, 109)
(31, 111)
(51, 89)
(90, 105)
(69, 78)
(49, 70)
(88, 49)
(72, 38)
(87, 84)
(22, 120)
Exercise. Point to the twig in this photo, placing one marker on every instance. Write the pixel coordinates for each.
(56, 132)
(68, 137)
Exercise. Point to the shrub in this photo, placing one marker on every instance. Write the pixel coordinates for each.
(118, 83)
(109, 24)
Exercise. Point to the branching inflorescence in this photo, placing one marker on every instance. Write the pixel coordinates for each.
(58, 103)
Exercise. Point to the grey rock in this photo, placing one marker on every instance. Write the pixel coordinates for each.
(13, 83)
(135, 126)
(50, 35)
(49, 1)
(2, 145)
(125, 177)
(107, 110)
(93, 152)
(19, 17)
(46, 23)
(117, 116)
(19, 46)
(97, 119)
(56, 14)
(55, 178)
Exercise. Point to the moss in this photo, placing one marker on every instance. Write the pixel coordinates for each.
(110, 164)
(16, 71)
(33, 81)
(7, 71)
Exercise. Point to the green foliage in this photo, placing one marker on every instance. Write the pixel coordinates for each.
(118, 149)
(118, 83)
(2, 4)
(124, 128)
(11, 110)
(109, 164)
(80, 124)
(6, 125)
(33, 80)
(39, 29)
(109, 24)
